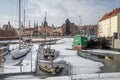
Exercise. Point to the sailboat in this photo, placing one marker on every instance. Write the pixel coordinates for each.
(48, 52)
(51, 68)
(23, 49)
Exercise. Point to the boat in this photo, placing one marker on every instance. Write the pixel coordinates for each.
(20, 52)
(3, 51)
(48, 53)
(79, 42)
(23, 49)
(51, 69)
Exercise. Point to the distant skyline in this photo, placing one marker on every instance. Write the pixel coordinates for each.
(90, 11)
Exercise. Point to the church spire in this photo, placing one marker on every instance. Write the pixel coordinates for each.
(45, 22)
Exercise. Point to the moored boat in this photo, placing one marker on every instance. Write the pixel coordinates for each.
(48, 53)
(23, 49)
(3, 51)
(79, 42)
(51, 69)
(20, 52)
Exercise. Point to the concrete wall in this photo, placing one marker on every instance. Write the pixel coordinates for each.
(117, 44)
(119, 23)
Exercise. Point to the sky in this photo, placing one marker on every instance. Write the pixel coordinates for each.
(81, 12)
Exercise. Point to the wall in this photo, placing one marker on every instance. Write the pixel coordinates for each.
(108, 26)
(117, 44)
(119, 23)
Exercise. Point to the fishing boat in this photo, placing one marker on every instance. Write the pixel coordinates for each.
(51, 69)
(79, 42)
(49, 53)
(23, 49)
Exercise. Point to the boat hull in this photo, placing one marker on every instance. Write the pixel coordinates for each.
(16, 54)
(51, 70)
(78, 47)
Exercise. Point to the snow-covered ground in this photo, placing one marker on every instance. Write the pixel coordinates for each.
(78, 65)
(80, 68)
(102, 51)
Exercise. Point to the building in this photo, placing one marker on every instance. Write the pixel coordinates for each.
(72, 27)
(109, 24)
(28, 31)
(89, 30)
(7, 32)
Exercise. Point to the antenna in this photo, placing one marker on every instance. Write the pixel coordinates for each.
(80, 27)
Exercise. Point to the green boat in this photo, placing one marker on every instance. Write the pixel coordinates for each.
(79, 42)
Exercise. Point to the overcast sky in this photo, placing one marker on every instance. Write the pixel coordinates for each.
(90, 11)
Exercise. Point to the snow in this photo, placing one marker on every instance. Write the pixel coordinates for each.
(99, 76)
(9, 41)
(78, 65)
(80, 68)
(102, 51)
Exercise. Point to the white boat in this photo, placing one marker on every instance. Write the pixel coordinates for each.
(20, 52)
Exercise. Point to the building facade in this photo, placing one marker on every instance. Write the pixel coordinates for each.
(89, 30)
(73, 29)
(109, 24)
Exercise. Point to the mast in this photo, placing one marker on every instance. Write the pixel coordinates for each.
(19, 23)
(45, 26)
(80, 25)
(24, 18)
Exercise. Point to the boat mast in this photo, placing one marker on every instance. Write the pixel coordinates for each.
(80, 25)
(45, 27)
(19, 23)
(24, 18)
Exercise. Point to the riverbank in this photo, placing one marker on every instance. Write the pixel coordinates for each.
(110, 59)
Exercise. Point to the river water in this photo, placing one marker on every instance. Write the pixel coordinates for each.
(110, 64)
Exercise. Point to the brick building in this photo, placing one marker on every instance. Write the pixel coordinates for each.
(73, 29)
(89, 29)
(8, 32)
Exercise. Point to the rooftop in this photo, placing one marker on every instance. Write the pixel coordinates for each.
(110, 14)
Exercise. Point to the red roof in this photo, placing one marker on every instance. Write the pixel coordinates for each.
(110, 14)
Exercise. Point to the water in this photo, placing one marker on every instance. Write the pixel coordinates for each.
(111, 65)
(111, 62)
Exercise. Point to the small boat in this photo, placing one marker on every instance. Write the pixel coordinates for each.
(51, 69)
(3, 51)
(49, 53)
(20, 52)
(79, 42)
